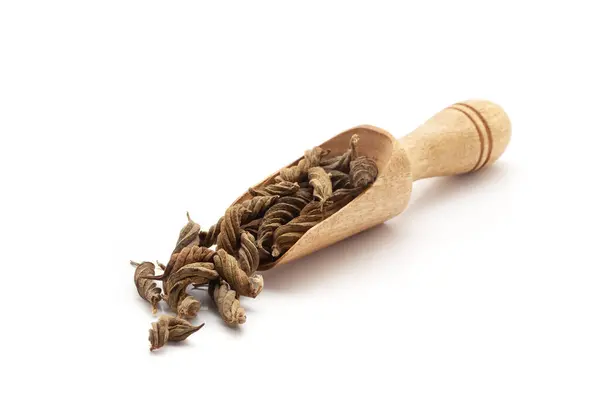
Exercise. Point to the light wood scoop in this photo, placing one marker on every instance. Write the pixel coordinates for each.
(462, 138)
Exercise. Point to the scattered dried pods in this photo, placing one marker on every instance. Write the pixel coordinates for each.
(146, 288)
(250, 236)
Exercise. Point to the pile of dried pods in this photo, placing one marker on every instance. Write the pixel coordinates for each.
(249, 237)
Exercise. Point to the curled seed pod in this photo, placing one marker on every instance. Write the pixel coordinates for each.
(188, 307)
(248, 257)
(338, 199)
(287, 235)
(208, 238)
(295, 173)
(159, 334)
(321, 183)
(146, 288)
(313, 157)
(342, 162)
(363, 172)
(252, 226)
(227, 302)
(188, 236)
(229, 238)
(227, 266)
(187, 255)
(298, 173)
(177, 282)
(198, 272)
(169, 328)
(339, 179)
(279, 188)
(286, 209)
(256, 207)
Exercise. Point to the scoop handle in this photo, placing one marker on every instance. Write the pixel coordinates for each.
(462, 138)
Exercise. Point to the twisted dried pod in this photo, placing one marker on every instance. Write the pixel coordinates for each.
(287, 235)
(169, 328)
(283, 188)
(256, 207)
(229, 238)
(188, 236)
(208, 238)
(188, 307)
(363, 172)
(339, 179)
(342, 162)
(321, 183)
(228, 268)
(227, 302)
(298, 173)
(286, 209)
(198, 273)
(248, 257)
(252, 226)
(314, 156)
(178, 281)
(146, 288)
(187, 255)
(338, 199)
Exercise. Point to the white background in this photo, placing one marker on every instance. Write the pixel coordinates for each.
(117, 117)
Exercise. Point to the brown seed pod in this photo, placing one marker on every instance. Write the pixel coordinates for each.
(256, 207)
(227, 302)
(248, 257)
(313, 157)
(186, 256)
(287, 235)
(295, 173)
(229, 238)
(208, 238)
(363, 172)
(278, 188)
(339, 179)
(159, 334)
(188, 236)
(252, 227)
(146, 288)
(188, 307)
(286, 209)
(321, 183)
(228, 268)
(342, 162)
(178, 281)
(169, 328)
(299, 172)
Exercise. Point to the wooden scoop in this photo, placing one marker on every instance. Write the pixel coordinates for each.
(462, 138)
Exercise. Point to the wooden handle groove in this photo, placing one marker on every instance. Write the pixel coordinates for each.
(462, 138)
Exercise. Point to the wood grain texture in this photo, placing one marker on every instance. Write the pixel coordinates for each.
(462, 138)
